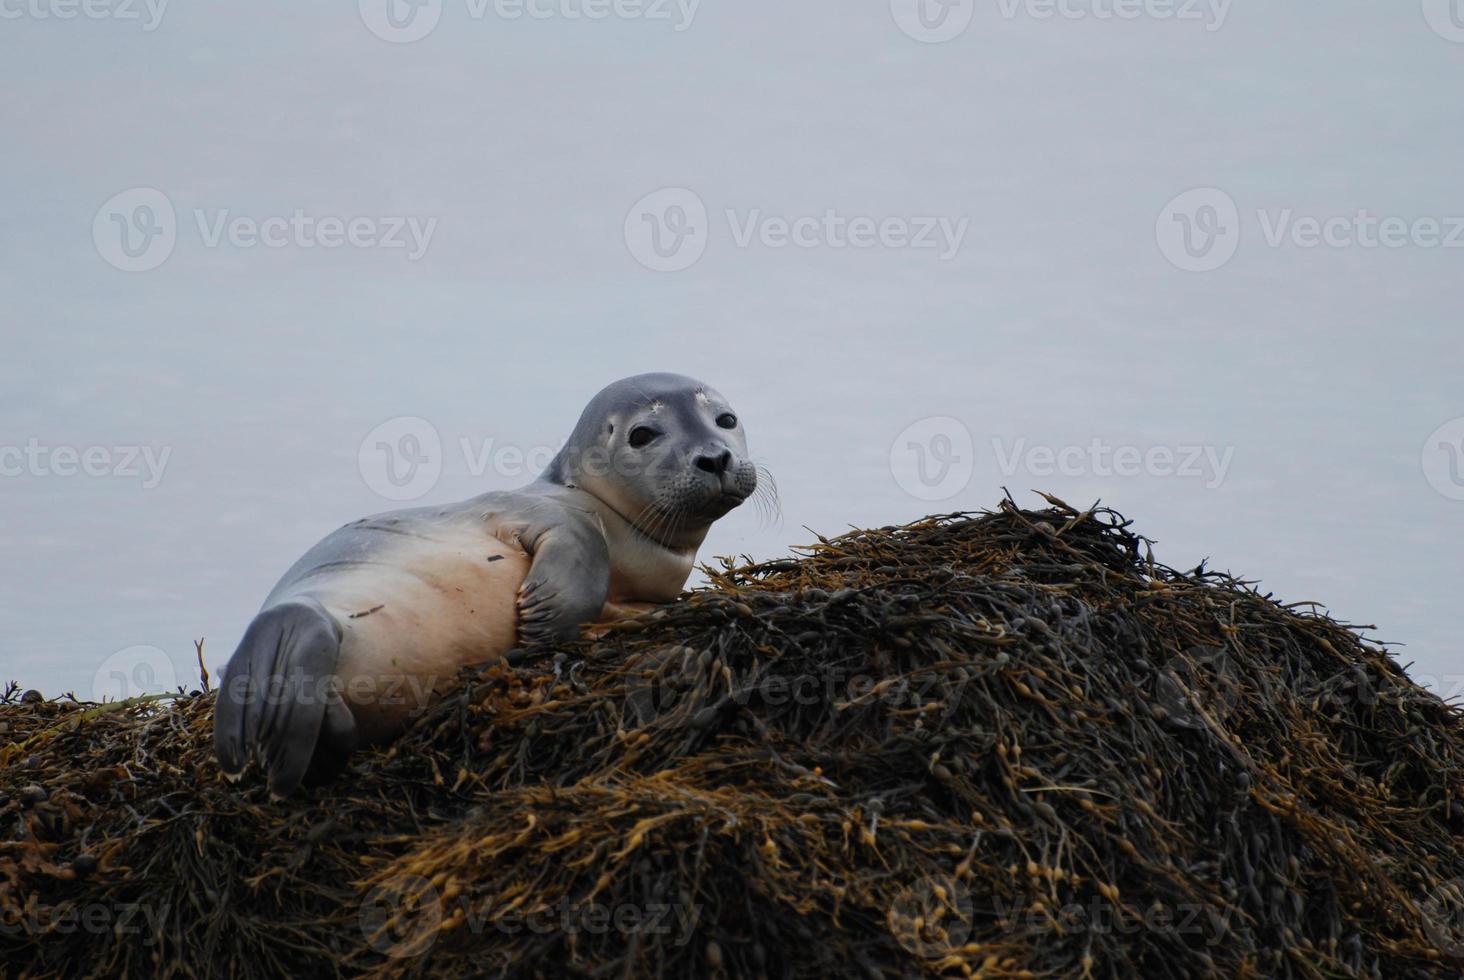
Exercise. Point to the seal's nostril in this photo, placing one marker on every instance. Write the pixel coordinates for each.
(715, 464)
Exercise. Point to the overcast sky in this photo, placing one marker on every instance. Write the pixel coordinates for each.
(1204, 261)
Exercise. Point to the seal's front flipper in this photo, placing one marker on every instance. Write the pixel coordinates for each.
(279, 696)
(567, 581)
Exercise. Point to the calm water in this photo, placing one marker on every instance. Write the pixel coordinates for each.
(1284, 407)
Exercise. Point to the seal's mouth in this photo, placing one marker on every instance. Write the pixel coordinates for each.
(723, 502)
(692, 508)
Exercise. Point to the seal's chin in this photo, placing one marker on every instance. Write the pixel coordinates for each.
(703, 513)
(722, 504)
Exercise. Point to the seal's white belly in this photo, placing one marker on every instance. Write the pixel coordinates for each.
(412, 617)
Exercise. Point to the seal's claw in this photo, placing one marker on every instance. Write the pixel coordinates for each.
(566, 584)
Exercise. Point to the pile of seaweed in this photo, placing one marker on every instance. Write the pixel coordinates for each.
(1001, 745)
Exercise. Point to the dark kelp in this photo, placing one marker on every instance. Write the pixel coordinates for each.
(1003, 745)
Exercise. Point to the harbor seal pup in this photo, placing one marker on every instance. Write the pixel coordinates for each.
(381, 614)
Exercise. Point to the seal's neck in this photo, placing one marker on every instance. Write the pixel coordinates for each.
(642, 569)
(676, 536)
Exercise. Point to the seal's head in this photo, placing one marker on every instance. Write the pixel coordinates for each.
(664, 451)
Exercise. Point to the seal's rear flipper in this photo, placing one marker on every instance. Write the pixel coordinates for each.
(337, 742)
(279, 695)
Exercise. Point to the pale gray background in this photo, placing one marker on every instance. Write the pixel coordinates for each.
(1060, 321)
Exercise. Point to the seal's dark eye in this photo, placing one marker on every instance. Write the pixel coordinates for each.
(641, 436)
(727, 420)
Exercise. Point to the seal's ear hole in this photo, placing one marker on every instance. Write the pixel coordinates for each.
(611, 428)
(642, 436)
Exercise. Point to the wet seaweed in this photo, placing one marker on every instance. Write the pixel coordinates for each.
(1007, 744)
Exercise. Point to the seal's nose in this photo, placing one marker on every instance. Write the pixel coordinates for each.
(715, 464)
